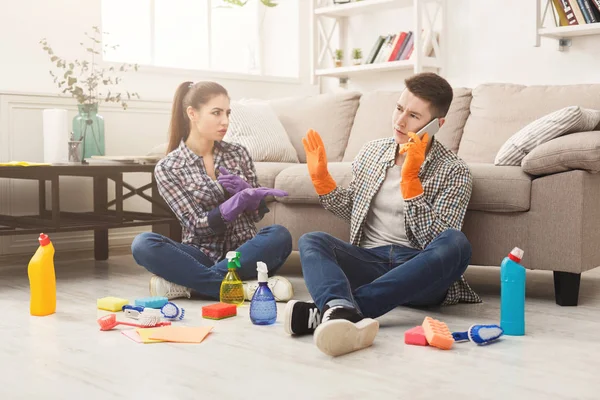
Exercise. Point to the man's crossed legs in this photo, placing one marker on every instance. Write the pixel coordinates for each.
(351, 285)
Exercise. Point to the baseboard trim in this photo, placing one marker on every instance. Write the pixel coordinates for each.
(65, 255)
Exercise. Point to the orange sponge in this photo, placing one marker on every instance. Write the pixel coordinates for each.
(437, 334)
(219, 311)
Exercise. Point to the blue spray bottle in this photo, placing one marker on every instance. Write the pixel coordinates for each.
(263, 309)
(512, 294)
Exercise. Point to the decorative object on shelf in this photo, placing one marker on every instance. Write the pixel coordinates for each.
(356, 56)
(341, 1)
(83, 79)
(339, 57)
(75, 150)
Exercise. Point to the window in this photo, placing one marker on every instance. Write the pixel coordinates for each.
(204, 35)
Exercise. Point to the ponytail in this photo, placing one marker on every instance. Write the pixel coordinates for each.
(179, 128)
(189, 94)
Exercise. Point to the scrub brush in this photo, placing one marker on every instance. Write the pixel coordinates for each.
(145, 320)
(480, 334)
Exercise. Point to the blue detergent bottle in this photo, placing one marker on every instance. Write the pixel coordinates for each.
(512, 294)
(263, 309)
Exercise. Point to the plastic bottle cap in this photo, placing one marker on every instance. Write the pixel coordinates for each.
(516, 254)
(263, 272)
(233, 258)
(44, 239)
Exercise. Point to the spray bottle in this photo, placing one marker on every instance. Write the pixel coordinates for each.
(512, 294)
(263, 309)
(42, 279)
(232, 288)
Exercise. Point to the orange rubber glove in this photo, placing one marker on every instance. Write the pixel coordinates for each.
(415, 155)
(316, 160)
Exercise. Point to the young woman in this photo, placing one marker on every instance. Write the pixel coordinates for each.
(212, 188)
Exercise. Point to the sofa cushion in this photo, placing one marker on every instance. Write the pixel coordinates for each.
(499, 188)
(268, 171)
(451, 132)
(296, 181)
(332, 115)
(374, 120)
(500, 110)
(254, 125)
(561, 122)
(575, 151)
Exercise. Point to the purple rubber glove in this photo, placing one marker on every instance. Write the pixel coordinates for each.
(246, 200)
(232, 183)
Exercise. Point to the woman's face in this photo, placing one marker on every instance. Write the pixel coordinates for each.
(212, 119)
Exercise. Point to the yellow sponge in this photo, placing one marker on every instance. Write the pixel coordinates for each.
(112, 303)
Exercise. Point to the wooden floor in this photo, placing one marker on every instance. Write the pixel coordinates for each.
(65, 356)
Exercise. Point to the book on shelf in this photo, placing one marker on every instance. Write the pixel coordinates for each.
(577, 12)
(400, 46)
(564, 13)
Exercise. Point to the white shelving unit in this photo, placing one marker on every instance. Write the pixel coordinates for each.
(563, 34)
(425, 16)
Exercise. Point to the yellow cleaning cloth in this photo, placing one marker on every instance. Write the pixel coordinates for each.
(21, 164)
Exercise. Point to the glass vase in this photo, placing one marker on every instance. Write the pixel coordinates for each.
(88, 126)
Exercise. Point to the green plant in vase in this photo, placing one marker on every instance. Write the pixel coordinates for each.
(356, 56)
(339, 57)
(90, 84)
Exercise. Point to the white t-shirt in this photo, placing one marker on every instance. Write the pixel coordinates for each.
(384, 224)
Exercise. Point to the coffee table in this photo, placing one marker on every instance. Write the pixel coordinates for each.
(101, 218)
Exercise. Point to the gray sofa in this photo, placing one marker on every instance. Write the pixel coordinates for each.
(549, 206)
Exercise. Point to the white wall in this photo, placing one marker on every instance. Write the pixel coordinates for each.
(488, 41)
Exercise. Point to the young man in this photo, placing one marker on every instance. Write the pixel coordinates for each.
(405, 204)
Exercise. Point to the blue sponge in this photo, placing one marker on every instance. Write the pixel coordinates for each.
(151, 302)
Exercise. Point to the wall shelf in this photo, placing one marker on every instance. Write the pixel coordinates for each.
(564, 34)
(329, 18)
(570, 31)
(361, 7)
(355, 70)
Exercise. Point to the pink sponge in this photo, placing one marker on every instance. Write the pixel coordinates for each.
(415, 336)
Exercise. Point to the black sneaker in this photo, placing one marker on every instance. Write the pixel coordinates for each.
(301, 317)
(344, 330)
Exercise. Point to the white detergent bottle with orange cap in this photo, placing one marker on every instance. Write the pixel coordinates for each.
(42, 279)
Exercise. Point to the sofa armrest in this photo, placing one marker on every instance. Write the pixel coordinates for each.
(574, 151)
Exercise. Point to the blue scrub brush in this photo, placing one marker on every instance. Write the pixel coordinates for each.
(480, 334)
(172, 311)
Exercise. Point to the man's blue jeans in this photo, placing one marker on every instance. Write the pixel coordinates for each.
(188, 266)
(377, 280)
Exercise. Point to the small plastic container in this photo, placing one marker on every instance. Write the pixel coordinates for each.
(512, 294)
(42, 279)
(263, 308)
(232, 288)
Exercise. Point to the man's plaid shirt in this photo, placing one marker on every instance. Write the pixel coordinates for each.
(194, 197)
(447, 185)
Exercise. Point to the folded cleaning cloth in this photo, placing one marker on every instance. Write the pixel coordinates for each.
(21, 164)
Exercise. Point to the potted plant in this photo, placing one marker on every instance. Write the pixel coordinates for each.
(339, 57)
(356, 56)
(83, 79)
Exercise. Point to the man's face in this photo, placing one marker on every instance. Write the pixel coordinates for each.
(410, 115)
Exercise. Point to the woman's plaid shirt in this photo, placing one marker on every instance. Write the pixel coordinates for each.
(447, 185)
(194, 197)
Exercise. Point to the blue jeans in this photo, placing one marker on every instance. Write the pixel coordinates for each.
(188, 266)
(377, 280)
